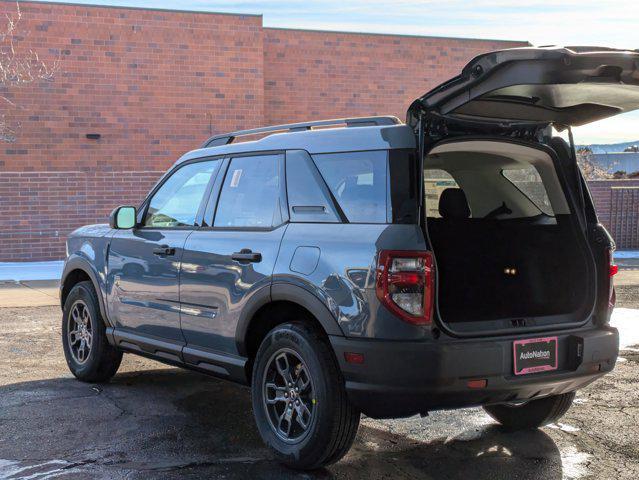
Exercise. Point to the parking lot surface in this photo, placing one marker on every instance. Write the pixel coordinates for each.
(154, 421)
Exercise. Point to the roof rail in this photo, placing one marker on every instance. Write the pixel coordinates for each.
(226, 138)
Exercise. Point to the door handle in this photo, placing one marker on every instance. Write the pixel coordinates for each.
(164, 251)
(246, 255)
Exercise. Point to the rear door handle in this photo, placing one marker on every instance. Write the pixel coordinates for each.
(246, 255)
(164, 251)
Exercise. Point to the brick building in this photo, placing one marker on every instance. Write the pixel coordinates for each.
(154, 84)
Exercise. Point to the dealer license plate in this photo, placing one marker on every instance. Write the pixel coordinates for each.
(535, 355)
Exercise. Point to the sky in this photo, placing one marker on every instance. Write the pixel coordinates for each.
(541, 22)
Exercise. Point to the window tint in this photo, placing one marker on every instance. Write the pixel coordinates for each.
(359, 183)
(250, 195)
(528, 182)
(435, 182)
(177, 201)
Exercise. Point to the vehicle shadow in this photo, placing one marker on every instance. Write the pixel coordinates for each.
(170, 423)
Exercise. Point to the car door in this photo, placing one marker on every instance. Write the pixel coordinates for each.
(144, 262)
(230, 260)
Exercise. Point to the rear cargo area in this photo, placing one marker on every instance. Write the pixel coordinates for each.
(494, 269)
(507, 246)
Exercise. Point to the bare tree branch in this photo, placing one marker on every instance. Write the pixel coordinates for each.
(589, 167)
(7, 134)
(18, 68)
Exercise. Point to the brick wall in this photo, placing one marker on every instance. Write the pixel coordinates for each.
(150, 82)
(154, 84)
(314, 75)
(40, 208)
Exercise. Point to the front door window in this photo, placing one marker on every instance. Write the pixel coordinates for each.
(176, 202)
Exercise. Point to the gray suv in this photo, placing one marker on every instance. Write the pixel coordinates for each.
(369, 266)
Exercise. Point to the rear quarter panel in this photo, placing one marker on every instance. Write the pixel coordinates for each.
(337, 263)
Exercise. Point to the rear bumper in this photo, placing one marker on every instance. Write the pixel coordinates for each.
(405, 378)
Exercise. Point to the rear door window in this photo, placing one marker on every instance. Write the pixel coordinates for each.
(251, 193)
(359, 183)
(308, 197)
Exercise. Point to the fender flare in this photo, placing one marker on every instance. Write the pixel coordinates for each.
(79, 263)
(290, 293)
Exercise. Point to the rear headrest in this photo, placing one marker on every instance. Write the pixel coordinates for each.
(453, 204)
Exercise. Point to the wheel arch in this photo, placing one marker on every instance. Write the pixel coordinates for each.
(77, 270)
(284, 302)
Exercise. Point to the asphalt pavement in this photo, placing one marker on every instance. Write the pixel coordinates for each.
(152, 421)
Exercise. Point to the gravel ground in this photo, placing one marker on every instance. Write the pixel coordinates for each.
(627, 296)
(152, 421)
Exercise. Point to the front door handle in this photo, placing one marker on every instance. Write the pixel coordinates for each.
(246, 255)
(164, 251)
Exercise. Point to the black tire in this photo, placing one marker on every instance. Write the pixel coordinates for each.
(102, 360)
(533, 414)
(334, 421)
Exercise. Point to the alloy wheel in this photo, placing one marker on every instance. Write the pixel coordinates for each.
(80, 332)
(288, 394)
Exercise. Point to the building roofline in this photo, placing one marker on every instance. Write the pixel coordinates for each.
(259, 15)
(128, 7)
(404, 35)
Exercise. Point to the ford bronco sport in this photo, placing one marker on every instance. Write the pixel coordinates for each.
(368, 266)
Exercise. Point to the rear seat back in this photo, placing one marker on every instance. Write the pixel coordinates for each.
(453, 204)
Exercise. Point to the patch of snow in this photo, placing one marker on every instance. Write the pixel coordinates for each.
(574, 463)
(32, 471)
(626, 320)
(626, 254)
(19, 271)
(564, 427)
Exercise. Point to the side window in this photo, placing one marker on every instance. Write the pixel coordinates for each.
(177, 201)
(250, 194)
(435, 182)
(528, 182)
(308, 198)
(359, 183)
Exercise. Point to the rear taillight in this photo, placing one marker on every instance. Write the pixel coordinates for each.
(613, 270)
(405, 284)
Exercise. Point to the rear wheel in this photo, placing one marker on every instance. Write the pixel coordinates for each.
(299, 399)
(533, 414)
(89, 355)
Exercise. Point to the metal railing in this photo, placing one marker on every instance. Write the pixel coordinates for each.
(624, 216)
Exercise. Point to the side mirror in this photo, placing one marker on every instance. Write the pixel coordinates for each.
(123, 218)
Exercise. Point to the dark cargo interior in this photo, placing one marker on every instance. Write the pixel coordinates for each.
(476, 258)
(495, 267)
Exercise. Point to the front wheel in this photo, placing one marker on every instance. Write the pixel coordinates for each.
(533, 414)
(299, 400)
(89, 355)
